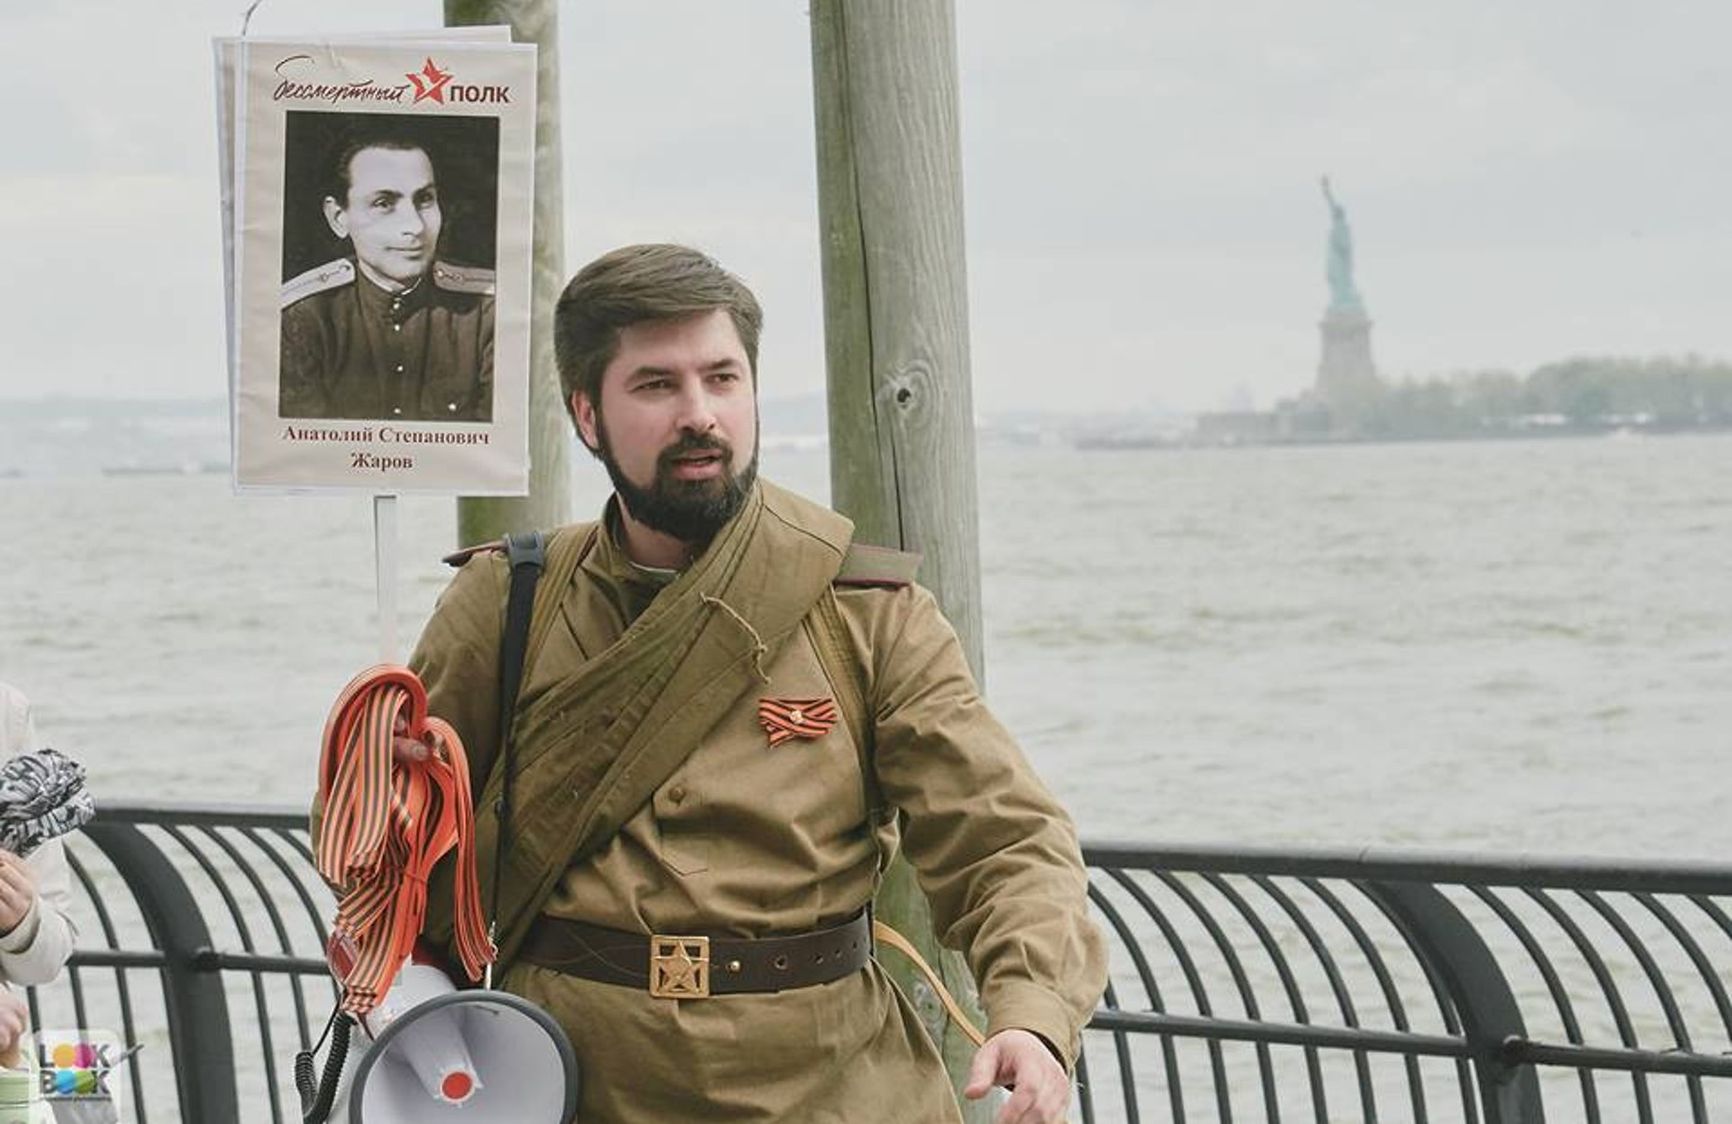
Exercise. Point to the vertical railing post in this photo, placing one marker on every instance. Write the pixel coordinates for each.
(198, 1017)
(1490, 1016)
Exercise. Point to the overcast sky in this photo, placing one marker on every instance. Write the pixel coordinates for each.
(1525, 182)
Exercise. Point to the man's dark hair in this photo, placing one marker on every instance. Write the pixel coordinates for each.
(337, 181)
(634, 285)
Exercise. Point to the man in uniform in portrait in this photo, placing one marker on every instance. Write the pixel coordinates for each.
(731, 716)
(391, 333)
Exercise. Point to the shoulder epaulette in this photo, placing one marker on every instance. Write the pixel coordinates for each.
(463, 278)
(876, 567)
(317, 279)
(457, 558)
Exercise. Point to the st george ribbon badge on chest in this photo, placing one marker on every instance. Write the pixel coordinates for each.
(796, 718)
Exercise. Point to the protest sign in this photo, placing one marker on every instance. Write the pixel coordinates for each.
(377, 215)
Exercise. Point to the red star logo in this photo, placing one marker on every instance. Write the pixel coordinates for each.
(429, 82)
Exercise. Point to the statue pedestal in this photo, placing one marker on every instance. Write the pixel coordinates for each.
(1346, 375)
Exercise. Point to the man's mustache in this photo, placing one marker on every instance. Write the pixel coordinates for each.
(694, 443)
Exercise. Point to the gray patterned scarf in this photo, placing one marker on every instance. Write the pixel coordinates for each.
(42, 795)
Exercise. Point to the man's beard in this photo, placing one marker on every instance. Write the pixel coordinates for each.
(691, 511)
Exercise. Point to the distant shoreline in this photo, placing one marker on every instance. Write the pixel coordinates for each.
(68, 439)
(1189, 442)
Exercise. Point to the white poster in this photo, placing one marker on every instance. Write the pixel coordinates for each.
(382, 210)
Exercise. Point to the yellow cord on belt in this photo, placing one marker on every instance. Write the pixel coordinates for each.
(386, 823)
(884, 934)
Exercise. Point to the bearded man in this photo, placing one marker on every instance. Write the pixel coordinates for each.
(730, 717)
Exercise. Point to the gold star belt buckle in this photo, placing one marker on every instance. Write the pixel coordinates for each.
(679, 967)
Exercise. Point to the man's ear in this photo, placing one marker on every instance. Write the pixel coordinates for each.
(583, 413)
(335, 218)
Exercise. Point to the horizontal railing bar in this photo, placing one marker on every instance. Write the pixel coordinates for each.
(1283, 1034)
(1553, 871)
(1402, 865)
(117, 958)
(261, 962)
(202, 815)
(1514, 1051)
(1518, 1051)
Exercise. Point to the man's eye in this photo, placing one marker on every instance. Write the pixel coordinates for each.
(725, 376)
(654, 384)
(427, 201)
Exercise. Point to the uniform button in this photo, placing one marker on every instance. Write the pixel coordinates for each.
(399, 368)
(677, 793)
(452, 406)
(396, 327)
(398, 410)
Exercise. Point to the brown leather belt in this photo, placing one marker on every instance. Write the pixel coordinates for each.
(695, 967)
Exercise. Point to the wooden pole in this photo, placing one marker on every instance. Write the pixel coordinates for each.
(548, 504)
(896, 340)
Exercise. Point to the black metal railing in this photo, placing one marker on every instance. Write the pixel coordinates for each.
(1317, 985)
(199, 927)
(1247, 984)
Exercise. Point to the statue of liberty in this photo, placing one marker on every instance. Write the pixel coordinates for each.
(1343, 293)
(1347, 380)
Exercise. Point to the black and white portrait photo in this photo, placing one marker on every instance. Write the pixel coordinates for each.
(388, 282)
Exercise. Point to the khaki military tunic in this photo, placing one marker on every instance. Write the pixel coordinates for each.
(349, 349)
(746, 840)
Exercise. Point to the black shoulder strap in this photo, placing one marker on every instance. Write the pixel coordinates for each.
(527, 554)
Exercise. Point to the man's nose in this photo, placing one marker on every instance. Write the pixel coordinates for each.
(410, 218)
(697, 413)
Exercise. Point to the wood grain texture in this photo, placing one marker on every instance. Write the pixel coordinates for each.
(895, 290)
(902, 462)
(548, 504)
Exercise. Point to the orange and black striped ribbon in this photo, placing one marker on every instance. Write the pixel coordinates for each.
(386, 823)
(796, 718)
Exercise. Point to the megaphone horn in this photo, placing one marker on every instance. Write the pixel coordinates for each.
(477, 1057)
(521, 1065)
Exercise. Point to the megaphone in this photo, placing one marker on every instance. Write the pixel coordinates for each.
(431, 1054)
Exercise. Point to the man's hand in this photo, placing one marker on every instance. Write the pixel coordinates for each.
(14, 1017)
(17, 891)
(1021, 1062)
(409, 751)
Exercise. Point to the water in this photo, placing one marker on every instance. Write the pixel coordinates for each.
(1501, 646)
(1505, 645)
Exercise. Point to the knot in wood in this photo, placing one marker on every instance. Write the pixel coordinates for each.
(908, 386)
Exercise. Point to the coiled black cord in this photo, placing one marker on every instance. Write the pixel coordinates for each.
(316, 1103)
